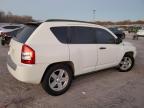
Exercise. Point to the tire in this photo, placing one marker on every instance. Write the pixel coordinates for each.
(126, 63)
(55, 83)
(2, 42)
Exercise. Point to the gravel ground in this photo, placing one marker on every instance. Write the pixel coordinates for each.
(104, 89)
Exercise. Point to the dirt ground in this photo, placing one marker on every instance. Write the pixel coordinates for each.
(103, 89)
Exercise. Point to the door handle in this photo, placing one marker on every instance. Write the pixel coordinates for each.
(102, 48)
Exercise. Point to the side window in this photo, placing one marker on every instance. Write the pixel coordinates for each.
(61, 33)
(104, 37)
(82, 35)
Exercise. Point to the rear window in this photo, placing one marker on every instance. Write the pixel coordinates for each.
(14, 33)
(23, 36)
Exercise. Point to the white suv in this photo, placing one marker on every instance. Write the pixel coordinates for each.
(53, 52)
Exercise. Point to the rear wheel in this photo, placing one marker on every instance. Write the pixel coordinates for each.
(126, 63)
(57, 80)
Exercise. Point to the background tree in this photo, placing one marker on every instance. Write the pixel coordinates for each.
(10, 18)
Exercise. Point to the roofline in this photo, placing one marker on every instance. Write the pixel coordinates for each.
(66, 20)
(33, 23)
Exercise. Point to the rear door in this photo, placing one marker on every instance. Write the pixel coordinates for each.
(83, 50)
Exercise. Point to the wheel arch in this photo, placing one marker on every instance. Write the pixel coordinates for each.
(129, 53)
(67, 63)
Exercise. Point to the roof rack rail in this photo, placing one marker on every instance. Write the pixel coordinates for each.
(66, 20)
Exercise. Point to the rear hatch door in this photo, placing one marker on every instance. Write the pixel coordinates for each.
(18, 41)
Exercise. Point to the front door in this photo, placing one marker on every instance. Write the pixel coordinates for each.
(108, 51)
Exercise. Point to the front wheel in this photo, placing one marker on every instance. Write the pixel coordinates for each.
(57, 79)
(126, 63)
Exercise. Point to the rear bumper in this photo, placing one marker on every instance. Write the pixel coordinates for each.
(27, 73)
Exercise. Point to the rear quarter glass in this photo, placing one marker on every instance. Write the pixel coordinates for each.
(61, 33)
(23, 36)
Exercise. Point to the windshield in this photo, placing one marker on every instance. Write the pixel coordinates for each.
(11, 27)
(113, 29)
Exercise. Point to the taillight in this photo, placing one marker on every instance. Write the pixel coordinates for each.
(27, 55)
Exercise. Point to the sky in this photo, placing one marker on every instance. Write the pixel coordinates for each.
(106, 10)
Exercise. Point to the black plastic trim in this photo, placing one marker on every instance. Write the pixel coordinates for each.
(66, 20)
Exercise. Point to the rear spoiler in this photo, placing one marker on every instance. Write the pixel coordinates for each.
(33, 23)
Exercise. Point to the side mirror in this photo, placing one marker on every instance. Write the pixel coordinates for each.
(118, 40)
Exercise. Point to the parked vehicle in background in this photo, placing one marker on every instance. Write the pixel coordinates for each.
(140, 33)
(119, 33)
(53, 52)
(9, 31)
(133, 29)
(9, 28)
